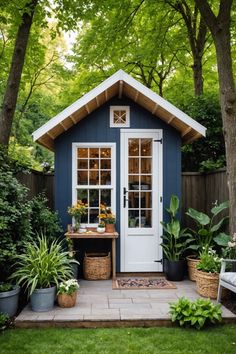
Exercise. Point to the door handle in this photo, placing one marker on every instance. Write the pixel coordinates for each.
(124, 197)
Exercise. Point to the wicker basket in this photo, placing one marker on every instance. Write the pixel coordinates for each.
(207, 284)
(97, 266)
(192, 264)
(66, 301)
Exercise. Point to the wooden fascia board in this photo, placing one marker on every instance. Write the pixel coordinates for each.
(103, 87)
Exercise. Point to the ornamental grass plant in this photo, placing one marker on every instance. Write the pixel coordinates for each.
(42, 265)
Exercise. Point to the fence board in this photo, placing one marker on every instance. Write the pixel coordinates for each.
(199, 190)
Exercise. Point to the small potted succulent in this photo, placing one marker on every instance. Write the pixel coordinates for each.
(9, 297)
(108, 218)
(101, 227)
(67, 293)
(76, 211)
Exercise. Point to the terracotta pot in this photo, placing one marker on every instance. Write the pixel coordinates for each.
(192, 262)
(65, 300)
(110, 228)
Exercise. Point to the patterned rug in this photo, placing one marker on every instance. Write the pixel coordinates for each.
(141, 283)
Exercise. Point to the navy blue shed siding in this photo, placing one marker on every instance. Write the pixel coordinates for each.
(95, 128)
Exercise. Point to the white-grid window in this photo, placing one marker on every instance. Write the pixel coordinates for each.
(119, 116)
(94, 178)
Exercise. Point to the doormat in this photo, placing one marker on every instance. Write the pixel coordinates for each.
(141, 283)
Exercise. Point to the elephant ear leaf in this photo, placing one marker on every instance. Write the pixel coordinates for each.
(218, 208)
(222, 239)
(199, 217)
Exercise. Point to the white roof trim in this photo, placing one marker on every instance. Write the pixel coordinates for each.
(119, 75)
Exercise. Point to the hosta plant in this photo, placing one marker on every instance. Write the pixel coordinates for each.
(42, 265)
(196, 314)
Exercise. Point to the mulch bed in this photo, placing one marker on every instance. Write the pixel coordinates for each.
(142, 283)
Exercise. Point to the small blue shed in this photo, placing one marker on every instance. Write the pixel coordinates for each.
(120, 144)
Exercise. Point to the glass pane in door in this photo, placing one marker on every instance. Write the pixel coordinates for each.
(140, 183)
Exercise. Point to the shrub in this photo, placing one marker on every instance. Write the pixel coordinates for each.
(195, 314)
(4, 321)
(15, 210)
(44, 220)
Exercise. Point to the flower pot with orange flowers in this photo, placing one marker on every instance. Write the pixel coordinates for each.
(108, 218)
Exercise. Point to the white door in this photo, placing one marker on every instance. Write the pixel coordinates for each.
(141, 200)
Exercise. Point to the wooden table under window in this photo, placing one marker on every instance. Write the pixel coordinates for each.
(93, 234)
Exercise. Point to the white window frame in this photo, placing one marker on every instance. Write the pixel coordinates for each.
(111, 187)
(119, 108)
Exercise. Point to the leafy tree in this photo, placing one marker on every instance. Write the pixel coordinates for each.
(219, 24)
(206, 153)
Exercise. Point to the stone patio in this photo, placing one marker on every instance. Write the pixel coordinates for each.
(100, 306)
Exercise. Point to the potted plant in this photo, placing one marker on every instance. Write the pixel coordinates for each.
(204, 236)
(101, 227)
(40, 269)
(71, 253)
(67, 293)
(108, 218)
(175, 241)
(76, 211)
(207, 275)
(9, 297)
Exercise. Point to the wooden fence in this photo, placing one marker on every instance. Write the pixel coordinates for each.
(199, 190)
(38, 182)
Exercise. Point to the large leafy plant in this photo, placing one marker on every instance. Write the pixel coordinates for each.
(175, 239)
(208, 228)
(195, 314)
(42, 265)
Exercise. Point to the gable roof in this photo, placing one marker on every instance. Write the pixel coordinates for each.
(118, 84)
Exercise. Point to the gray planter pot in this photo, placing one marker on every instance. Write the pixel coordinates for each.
(75, 268)
(9, 301)
(42, 300)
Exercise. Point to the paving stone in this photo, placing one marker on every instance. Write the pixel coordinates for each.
(103, 305)
(227, 313)
(129, 306)
(105, 312)
(102, 317)
(143, 316)
(120, 301)
(63, 317)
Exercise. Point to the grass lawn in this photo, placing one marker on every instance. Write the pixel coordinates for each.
(217, 340)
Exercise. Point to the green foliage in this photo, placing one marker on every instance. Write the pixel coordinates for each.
(209, 262)
(68, 287)
(44, 220)
(42, 265)
(15, 210)
(4, 321)
(196, 314)
(5, 287)
(207, 227)
(175, 239)
(20, 219)
(208, 153)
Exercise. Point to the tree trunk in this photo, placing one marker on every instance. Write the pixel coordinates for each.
(14, 78)
(197, 76)
(220, 30)
(228, 110)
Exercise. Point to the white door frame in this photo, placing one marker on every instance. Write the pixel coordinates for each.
(159, 202)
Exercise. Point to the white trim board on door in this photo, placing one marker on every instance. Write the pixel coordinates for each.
(140, 245)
